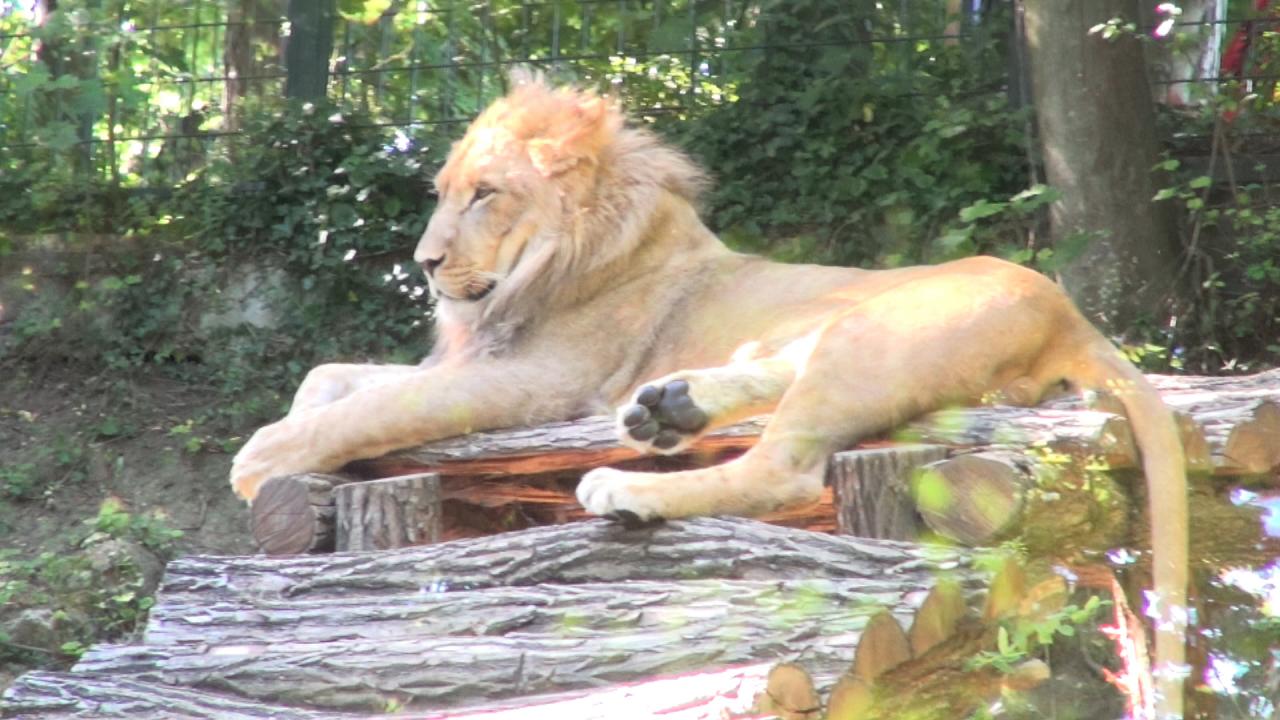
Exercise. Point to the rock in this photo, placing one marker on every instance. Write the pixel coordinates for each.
(107, 557)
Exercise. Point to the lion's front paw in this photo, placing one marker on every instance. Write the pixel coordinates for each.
(614, 493)
(275, 450)
(662, 418)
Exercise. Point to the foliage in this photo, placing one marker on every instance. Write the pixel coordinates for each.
(300, 229)
(1019, 638)
(840, 148)
(94, 586)
(59, 461)
(1234, 261)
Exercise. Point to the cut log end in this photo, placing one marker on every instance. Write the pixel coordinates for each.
(1253, 445)
(289, 515)
(938, 617)
(790, 694)
(851, 699)
(883, 647)
(973, 499)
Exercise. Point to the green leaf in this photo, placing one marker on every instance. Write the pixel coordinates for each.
(58, 135)
(1203, 181)
(982, 209)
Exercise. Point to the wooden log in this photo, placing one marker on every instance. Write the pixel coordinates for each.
(1195, 447)
(589, 637)
(1227, 432)
(873, 490)
(592, 441)
(1080, 433)
(547, 610)
(938, 617)
(1050, 503)
(389, 513)
(1263, 384)
(591, 551)
(572, 445)
(50, 695)
(1243, 437)
(295, 514)
(1241, 412)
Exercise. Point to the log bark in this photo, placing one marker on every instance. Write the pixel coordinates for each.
(389, 513)
(50, 695)
(453, 623)
(1243, 436)
(572, 445)
(1228, 423)
(724, 693)
(360, 675)
(1079, 433)
(591, 551)
(873, 490)
(542, 610)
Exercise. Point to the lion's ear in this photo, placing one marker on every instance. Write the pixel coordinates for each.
(581, 130)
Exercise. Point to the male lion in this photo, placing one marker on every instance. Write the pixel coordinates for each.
(571, 273)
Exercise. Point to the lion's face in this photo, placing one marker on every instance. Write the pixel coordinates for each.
(504, 190)
(486, 214)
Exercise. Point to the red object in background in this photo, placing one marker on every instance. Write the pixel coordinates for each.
(1238, 48)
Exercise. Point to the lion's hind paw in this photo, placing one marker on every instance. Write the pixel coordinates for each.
(662, 418)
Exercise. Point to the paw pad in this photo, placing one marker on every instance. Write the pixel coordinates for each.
(663, 416)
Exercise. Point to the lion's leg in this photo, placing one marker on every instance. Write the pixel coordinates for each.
(869, 371)
(666, 415)
(408, 408)
(333, 381)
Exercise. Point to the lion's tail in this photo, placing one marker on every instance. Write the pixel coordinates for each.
(1098, 365)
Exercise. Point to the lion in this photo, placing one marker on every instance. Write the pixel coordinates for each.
(572, 275)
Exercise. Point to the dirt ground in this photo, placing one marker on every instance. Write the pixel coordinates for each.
(129, 453)
(72, 441)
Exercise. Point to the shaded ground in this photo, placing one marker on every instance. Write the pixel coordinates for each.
(68, 443)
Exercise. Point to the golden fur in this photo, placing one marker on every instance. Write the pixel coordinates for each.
(571, 270)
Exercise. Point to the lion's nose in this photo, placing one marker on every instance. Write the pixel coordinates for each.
(430, 265)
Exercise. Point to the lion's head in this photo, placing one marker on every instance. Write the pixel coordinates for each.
(547, 188)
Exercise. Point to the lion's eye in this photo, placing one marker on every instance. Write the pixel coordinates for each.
(482, 192)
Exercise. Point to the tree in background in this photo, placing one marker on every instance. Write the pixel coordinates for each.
(1099, 142)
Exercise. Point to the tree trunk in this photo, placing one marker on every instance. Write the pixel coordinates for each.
(1097, 132)
(308, 49)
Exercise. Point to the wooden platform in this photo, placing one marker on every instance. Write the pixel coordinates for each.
(575, 618)
(570, 617)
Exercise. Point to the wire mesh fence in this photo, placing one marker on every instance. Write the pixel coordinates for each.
(123, 84)
(124, 88)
